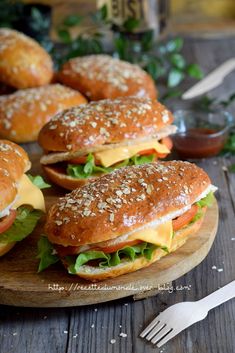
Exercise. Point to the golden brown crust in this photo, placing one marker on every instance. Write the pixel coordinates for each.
(101, 76)
(132, 266)
(63, 180)
(55, 157)
(14, 163)
(23, 62)
(123, 201)
(4, 248)
(25, 112)
(104, 122)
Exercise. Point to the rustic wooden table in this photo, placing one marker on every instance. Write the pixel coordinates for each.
(97, 329)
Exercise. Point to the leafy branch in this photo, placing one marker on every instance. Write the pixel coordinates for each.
(212, 104)
(163, 60)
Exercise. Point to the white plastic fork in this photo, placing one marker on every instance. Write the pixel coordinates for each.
(178, 317)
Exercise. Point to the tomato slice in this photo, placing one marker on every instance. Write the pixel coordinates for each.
(167, 141)
(7, 221)
(147, 152)
(185, 218)
(66, 250)
(74, 250)
(78, 160)
(113, 248)
(82, 160)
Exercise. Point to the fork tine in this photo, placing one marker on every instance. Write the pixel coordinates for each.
(168, 337)
(165, 330)
(155, 330)
(149, 327)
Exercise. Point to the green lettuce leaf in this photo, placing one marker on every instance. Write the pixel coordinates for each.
(84, 258)
(38, 181)
(197, 216)
(136, 160)
(83, 171)
(207, 201)
(113, 259)
(23, 225)
(45, 254)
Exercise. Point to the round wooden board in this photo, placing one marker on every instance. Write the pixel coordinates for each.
(21, 285)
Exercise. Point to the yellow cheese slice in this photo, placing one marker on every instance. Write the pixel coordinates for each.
(29, 194)
(118, 154)
(160, 235)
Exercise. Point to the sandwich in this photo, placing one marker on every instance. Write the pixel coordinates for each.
(25, 112)
(23, 62)
(85, 142)
(21, 202)
(102, 77)
(126, 220)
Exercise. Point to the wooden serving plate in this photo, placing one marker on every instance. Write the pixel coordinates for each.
(21, 285)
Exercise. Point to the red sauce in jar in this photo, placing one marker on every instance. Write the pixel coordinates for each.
(199, 143)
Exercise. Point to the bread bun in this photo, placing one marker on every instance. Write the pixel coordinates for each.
(25, 112)
(102, 76)
(100, 124)
(124, 201)
(95, 274)
(23, 62)
(64, 180)
(14, 163)
(4, 248)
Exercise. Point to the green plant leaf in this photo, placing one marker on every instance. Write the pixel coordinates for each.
(72, 20)
(147, 40)
(204, 103)
(232, 168)
(194, 71)
(171, 93)
(230, 144)
(174, 45)
(104, 12)
(131, 23)
(175, 77)
(121, 46)
(64, 35)
(100, 15)
(46, 254)
(38, 181)
(155, 69)
(177, 60)
(226, 103)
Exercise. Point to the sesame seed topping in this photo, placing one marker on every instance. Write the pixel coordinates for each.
(30, 100)
(104, 68)
(112, 196)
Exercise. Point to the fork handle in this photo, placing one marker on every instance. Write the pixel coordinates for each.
(220, 296)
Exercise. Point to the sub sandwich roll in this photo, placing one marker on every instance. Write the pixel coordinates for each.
(126, 220)
(102, 76)
(21, 202)
(88, 141)
(23, 62)
(25, 112)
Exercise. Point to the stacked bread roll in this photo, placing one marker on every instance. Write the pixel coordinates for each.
(26, 67)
